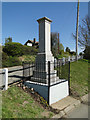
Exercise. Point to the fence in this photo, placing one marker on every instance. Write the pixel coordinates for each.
(61, 70)
(13, 75)
(42, 74)
(28, 69)
(26, 72)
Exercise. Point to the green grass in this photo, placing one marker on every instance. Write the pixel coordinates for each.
(79, 77)
(79, 82)
(19, 104)
(62, 71)
(0, 104)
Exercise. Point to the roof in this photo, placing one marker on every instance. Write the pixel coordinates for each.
(30, 41)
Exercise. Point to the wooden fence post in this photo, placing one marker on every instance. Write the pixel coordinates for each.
(5, 70)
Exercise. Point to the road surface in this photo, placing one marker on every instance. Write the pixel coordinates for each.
(14, 74)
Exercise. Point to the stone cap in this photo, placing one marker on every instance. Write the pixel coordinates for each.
(44, 18)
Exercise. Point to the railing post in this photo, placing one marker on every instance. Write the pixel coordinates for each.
(48, 82)
(59, 69)
(5, 70)
(23, 72)
(29, 69)
(69, 78)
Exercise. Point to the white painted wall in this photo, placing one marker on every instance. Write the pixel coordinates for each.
(29, 44)
(58, 92)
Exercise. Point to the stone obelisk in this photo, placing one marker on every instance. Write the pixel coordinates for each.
(45, 53)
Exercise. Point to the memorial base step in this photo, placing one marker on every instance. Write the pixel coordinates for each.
(53, 80)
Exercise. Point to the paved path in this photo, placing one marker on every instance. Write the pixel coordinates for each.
(16, 73)
(82, 111)
(65, 105)
(67, 102)
(72, 108)
(79, 112)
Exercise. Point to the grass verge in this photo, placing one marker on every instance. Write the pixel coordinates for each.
(79, 77)
(19, 104)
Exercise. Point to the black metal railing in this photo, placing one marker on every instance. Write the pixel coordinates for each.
(62, 68)
(47, 73)
(40, 72)
(28, 69)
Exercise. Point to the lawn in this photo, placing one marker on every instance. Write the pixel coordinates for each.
(79, 77)
(0, 104)
(17, 103)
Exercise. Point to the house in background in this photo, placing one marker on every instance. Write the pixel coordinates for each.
(32, 43)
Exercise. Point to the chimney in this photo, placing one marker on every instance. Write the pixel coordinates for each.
(34, 40)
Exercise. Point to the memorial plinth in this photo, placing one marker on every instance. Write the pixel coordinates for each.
(54, 92)
(45, 53)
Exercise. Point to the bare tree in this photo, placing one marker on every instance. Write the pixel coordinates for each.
(54, 43)
(84, 33)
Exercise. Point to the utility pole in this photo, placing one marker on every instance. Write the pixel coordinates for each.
(58, 43)
(77, 31)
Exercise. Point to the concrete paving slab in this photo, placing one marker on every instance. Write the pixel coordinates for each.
(64, 103)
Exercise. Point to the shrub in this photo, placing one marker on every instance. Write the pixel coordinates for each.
(27, 50)
(13, 49)
(17, 49)
(4, 56)
(87, 53)
(11, 61)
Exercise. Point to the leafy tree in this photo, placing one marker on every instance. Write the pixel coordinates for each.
(61, 49)
(80, 53)
(27, 50)
(87, 52)
(13, 49)
(67, 49)
(8, 40)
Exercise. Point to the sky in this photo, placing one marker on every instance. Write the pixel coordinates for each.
(19, 20)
